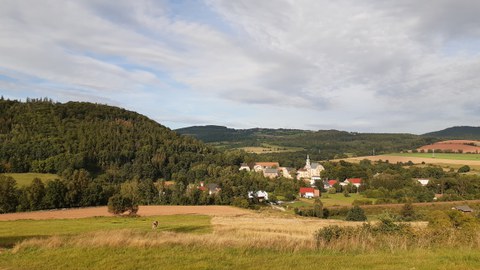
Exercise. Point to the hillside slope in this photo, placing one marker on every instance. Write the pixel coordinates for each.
(43, 136)
(459, 132)
(323, 144)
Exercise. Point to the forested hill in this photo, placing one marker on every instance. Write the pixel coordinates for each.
(460, 132)
(322, 144)
(48, 137)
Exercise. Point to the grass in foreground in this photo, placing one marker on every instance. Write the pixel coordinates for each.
(203, 257)
(25, 179)
(12, 232)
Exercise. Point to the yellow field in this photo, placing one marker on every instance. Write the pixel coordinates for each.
(25, 179)
(453, 163)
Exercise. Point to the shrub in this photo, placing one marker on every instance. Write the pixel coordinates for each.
(464, 169)
(117, 204)
(332, 190)
(407, 212)
(329, 233)
(318, 208)
(362, 202)
(356, 214)
(387, 224)
(240, 202)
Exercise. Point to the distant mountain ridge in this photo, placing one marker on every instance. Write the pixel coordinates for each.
(457, 132)
(323, 144)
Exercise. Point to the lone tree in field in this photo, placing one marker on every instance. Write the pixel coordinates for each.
(118, 204)
(356, 214)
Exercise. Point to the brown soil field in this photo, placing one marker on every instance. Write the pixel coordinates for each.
(455, 147)
(150, 210)
(416, 160)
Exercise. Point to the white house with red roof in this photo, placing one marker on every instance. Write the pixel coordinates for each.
(357, 182)
(309, 192)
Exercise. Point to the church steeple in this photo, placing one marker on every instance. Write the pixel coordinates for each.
(307, 163)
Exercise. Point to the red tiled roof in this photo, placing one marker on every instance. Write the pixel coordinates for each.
(304, 190)
(268, 164)
(332, 182)
(355, 180)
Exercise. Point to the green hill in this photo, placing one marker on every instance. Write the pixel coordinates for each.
(322, 144)
(459, 132)
(48, 137)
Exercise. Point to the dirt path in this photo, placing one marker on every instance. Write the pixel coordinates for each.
(150, 210)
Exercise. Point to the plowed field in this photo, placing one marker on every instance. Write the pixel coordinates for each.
(214, 210)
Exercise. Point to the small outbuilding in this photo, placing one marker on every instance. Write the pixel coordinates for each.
(463, 208)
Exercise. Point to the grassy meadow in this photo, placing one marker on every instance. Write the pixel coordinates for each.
(330, 200)
(451, 156)
(201, 242)
(245, 242)
(25, 179)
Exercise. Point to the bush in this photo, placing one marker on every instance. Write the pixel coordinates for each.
(356, 214)
(407, 212)
(329, 233)
(117, 204)
(332, 190)
(464, 169)
(362, 202)
(240, 202)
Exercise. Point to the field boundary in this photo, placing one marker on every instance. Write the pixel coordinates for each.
(144, 210)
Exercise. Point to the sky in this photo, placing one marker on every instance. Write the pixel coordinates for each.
(368, 66)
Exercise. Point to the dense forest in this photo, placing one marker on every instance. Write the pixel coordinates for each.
(100, 151)
(322, 144)
(460, 132)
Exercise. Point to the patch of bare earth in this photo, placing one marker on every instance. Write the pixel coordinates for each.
(150, 210)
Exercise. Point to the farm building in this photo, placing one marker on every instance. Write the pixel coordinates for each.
(309, 192)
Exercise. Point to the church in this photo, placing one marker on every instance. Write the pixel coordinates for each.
(311, 171)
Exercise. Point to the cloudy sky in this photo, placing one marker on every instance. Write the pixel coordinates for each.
(369, 66)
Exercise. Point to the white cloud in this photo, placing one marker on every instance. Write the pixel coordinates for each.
(406, 66)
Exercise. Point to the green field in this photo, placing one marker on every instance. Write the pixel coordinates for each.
(129, 243)
(328, 200)
(453, 156)
(25, 179)
(14, 231)
(183, 257)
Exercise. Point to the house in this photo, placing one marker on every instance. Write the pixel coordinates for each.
(213, 188)
(332, 182)
(423, 182)
(357, 182)
(244, 166)
(270, 173)
(202, 186)
(311, 171)
(309, 192)
(261, 195)
(260, 166)
(463, 208)
(286, 172)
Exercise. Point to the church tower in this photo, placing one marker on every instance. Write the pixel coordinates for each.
(307, 163)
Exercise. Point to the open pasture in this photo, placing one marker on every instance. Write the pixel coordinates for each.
(246, 241)
(25, 179)
(416, 158)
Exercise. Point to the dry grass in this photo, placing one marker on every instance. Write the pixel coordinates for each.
(252, 231)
